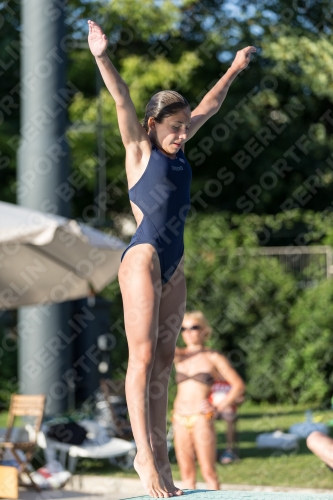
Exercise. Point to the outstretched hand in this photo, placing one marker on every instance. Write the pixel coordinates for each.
(243, 58)
(97, 41)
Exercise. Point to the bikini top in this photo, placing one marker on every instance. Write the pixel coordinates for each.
(203, 378)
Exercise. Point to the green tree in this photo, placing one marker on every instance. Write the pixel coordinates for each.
(247, 298)
(267, 150)
(253, 304)
(9, 96)
(273, 133)
(8, 362)
(308, 367)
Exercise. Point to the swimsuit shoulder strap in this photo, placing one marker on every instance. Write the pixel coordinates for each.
(183, 357)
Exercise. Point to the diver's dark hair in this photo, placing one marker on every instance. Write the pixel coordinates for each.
(163, 104)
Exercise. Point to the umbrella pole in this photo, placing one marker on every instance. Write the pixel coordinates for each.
(43, 167)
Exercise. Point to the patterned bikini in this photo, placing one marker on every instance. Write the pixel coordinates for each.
(189, 420)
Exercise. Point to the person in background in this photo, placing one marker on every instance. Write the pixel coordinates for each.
(219, 391)
(197, 367)
(322, 446)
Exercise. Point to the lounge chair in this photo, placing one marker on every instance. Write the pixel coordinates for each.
(97, 445)
(22, 451)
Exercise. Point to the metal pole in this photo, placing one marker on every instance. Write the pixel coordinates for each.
(42, 180)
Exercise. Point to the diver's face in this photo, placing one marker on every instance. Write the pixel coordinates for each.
(171, 134)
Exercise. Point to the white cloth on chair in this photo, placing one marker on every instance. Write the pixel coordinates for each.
(97, 445)
(277, 440)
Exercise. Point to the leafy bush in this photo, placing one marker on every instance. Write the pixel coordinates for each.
(275, 333)
(8, 366)
(247, 299)
(309, 361)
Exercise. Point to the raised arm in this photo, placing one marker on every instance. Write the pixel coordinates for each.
(131, 130)
(213, 100)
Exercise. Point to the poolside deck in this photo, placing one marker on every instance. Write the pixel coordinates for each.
(245, 495)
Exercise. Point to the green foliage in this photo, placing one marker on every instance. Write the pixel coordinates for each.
(10, 97)
(256, 307)
(8, 366)
(309, 357)
(275, 333)
(188, 45)
(163, 16)
(286, 89)
(145, 72)
(253, 304)
(302, 59)
(245, 296)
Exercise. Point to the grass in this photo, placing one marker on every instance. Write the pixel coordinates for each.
(298, 468)
(3, 419)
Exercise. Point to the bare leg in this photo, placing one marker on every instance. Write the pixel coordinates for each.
(322, 446)
(171, 313)
(230, 418)
(231, 434)
(138, 272)
(205, 447)
(185, 453)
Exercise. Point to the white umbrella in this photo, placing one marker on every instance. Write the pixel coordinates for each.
(46, 258)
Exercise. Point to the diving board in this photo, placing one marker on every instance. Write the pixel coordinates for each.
(244, 495)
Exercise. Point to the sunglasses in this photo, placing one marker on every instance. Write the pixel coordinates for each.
(194, 327)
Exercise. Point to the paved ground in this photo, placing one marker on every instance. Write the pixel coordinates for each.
(108, 488)
(238, 495)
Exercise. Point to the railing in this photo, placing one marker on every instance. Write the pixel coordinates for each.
(309, 264)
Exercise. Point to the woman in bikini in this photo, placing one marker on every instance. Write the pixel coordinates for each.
(193, 416)
(151, 273)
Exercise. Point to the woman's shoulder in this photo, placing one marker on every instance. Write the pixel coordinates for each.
(183, 353)
(180, 351)
(209, 350)
(214, 354)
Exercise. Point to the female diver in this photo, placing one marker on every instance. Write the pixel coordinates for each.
(151, 275)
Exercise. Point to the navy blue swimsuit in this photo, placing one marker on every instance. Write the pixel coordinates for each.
(163, 195)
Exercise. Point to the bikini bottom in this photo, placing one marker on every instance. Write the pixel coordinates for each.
(190, 420)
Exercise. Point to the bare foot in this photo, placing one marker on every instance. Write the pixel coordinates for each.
(150, 477)
(165, 471)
